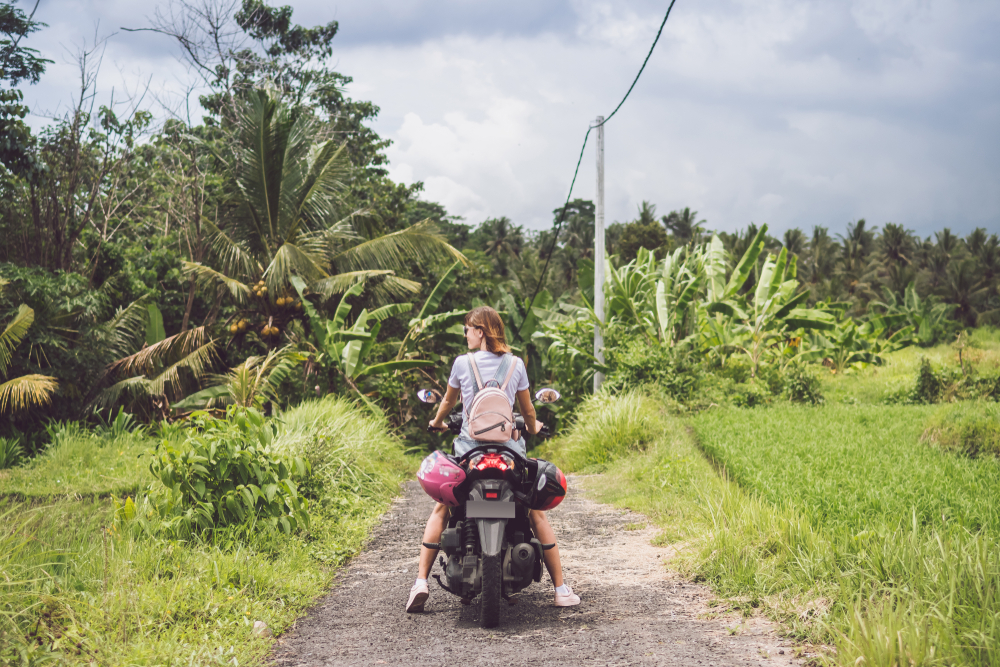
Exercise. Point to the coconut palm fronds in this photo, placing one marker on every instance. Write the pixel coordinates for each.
(27, 391)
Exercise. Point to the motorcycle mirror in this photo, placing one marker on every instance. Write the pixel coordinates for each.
(428, 395)
(547, 395)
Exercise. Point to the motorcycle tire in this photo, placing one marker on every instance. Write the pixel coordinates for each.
(489, 610)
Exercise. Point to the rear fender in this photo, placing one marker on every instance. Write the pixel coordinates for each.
(491, 535)
(491, 531)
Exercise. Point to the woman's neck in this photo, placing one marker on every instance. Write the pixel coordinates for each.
(482, 346)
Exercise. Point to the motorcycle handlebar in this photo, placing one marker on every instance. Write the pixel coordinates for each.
(454, 424)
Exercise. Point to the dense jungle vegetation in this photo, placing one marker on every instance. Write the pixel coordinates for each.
(211, 334)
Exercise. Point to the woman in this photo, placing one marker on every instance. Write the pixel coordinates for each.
(484, 334)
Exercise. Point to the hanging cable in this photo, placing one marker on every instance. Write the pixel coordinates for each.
(579, 160)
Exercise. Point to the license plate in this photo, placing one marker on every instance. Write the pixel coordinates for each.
(489, 509)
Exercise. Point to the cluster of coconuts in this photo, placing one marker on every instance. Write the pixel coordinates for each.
(238, 327)
(269, 331)
(283, 301)
(260, 289)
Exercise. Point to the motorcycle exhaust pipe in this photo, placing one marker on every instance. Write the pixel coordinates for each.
(523, 558)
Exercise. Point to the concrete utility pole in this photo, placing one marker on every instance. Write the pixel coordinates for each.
(599, 255)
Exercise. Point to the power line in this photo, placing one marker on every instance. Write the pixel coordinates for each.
(562, 215)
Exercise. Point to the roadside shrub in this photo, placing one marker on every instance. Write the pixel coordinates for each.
(971, 428)
(227, 474)
(802, 386)
(348, 449)
(636, 362)
(606, 428)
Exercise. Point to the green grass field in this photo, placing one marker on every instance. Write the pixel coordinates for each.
(875, 384)
(838, 520)
(849, 468)
(82, 463)
(81, 588)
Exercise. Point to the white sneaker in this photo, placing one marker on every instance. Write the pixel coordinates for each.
(569, 600)
(418, 596)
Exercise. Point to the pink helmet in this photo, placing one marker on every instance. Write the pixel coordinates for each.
(439, 476)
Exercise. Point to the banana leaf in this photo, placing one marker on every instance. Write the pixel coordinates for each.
(805, 318)
(437, 294)
(391, 366)
(746, 264)
(585, 280)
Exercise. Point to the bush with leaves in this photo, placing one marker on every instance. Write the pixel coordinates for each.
(802, 385)
(930, 384)
(227, 473)
(635, 363)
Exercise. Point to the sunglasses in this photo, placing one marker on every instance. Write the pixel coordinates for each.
(465, 329)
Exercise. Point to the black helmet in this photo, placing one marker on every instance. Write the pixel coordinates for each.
(548, 486)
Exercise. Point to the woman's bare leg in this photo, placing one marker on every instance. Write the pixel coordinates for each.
(432, 533)
(545, 534)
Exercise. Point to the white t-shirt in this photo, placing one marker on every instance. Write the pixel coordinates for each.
(463, 378)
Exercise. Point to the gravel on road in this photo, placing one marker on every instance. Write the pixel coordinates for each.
(635, 611)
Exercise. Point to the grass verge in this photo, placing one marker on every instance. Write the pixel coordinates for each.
(79, 462)
(842, 524)
(82, 589)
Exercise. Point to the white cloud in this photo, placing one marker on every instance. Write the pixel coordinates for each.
(778, 111)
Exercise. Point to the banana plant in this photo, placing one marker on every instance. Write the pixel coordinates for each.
(852, 344)
(769, 319)
(347, 348)
(631, 293)
(683, 276)
(928, 319)
(566, 337)
(429, 322)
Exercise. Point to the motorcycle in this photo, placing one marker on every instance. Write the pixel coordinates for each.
(490, 548)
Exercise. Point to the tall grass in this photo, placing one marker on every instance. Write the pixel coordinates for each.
(79, 462)
(911, 534)
(77, 586)
(607, 428)
(843, 525)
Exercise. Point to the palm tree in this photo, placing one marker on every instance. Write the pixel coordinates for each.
(288, 221)
(977, 241)
(964, 287)
(795, 241)
(26, 391)
(684, 225)
(821, 260)
(896, 251)
(647, 213)
(855, 269)
(504, 241)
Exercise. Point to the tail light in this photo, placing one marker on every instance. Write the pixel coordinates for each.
(500, 462)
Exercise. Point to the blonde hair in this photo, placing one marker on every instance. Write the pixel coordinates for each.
(489, 321)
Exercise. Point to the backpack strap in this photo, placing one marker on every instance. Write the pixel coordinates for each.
(508, 358)
(477, 380)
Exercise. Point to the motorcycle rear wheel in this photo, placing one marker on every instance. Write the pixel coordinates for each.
(489, 610)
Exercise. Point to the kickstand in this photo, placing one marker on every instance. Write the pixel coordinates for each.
(443, 585)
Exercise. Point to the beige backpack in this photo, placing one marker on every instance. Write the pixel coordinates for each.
(491, 416)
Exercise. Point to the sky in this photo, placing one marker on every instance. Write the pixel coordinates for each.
(792, 113)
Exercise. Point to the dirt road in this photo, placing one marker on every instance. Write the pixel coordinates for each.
(634, 610)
